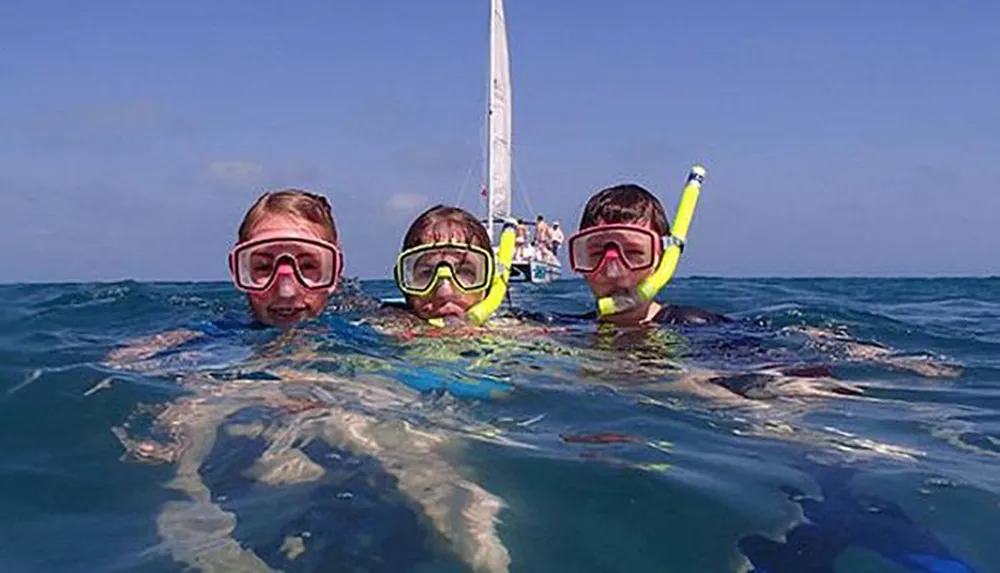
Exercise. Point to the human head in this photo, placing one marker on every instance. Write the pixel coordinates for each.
(290, 214)
(441, 224)
(540, 218)
(626, 204)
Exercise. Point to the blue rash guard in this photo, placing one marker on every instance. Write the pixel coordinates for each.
(356, 339)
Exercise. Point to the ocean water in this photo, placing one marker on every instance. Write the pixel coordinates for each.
(836, 425)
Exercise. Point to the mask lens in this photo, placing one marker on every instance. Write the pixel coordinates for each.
(420, 268)
(316, 264)
(635, 247)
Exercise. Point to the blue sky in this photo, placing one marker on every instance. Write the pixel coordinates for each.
(849, 138)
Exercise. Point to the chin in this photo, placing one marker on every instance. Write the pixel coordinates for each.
(609, 291)
(282, 322)
(447, 310)
(451, 312)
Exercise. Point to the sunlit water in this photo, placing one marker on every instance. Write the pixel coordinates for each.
(601, 457)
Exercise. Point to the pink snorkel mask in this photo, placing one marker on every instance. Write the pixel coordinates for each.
(595, 248)
(256, 265)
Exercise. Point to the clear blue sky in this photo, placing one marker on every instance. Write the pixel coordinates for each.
(848, 138)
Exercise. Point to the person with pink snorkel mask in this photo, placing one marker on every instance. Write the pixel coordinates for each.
(620, 243)
(287, 259)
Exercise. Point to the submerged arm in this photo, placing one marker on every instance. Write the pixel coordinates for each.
(146, 347)
(856, 351)
(462, 511)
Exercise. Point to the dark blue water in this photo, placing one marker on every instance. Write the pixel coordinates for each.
(611, 452)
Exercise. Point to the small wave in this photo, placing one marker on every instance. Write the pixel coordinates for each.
(338, 442)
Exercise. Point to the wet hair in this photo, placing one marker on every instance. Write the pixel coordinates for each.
(295, 202)
(625, 204)
(441, 223)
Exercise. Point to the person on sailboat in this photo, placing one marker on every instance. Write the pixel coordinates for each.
(541, 233)
(556, 238)
(543, 236)
(520, 240)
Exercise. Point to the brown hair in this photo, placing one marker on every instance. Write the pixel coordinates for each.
(625, 204)
(309, 206)
(440, 223)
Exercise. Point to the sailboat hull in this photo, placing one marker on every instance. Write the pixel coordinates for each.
(535, 272)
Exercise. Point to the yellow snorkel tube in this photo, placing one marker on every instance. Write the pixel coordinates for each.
(654, 283)
(485, 308)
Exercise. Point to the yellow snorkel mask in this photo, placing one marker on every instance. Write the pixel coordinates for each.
(471, 269)
(654, 283)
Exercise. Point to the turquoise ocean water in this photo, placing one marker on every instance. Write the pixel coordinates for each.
(836, 425)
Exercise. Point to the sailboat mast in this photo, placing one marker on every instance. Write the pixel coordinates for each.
(488, 163)
(490, 130)
(499, 157)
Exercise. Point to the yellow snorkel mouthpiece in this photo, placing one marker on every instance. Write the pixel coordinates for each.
(498, 288)
(654, 283)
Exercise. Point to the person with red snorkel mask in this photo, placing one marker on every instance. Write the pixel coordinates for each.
(620, 244)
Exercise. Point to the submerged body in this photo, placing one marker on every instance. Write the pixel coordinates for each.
(284, 417)
(289, 426)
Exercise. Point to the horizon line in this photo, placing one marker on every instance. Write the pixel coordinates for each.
(562, 279)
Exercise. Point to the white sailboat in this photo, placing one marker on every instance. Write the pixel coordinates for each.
(536, 265)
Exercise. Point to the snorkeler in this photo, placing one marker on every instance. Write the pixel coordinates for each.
(626, 253)
(286, 259)
(447, 265)
(452, 283)
(448, 272)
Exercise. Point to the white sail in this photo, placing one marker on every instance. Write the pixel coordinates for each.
(537, 266)
(499, 120)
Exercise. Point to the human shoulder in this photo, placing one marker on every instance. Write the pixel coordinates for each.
(678, 314)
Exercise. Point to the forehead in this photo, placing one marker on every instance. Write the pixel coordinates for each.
(278, 225)
(276, 248)
(636, 234)
(444, 231)
(643, 223)
(446, 254)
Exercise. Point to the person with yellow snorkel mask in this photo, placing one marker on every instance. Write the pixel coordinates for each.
(447, 270)
(626, 253)
(452, 284)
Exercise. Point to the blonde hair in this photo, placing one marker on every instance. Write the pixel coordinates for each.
(309, 206)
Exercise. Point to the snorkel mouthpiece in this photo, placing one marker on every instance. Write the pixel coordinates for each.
(479, 313)
(653, 284)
